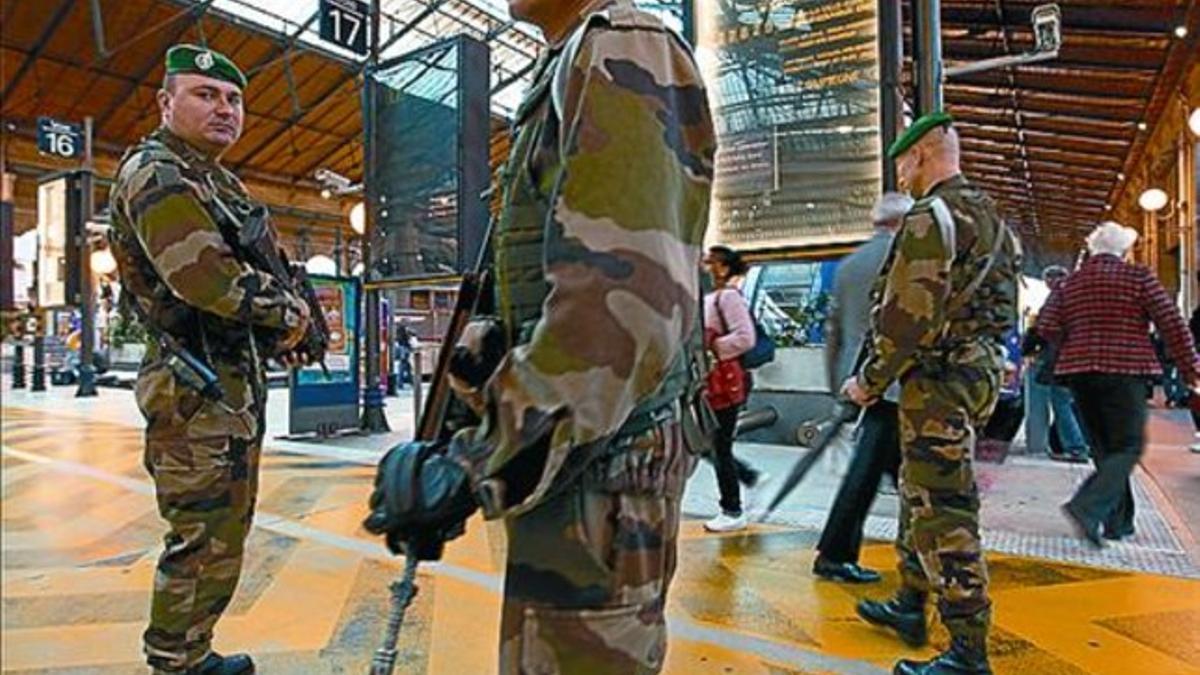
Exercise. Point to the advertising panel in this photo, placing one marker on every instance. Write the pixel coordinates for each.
(328, 404)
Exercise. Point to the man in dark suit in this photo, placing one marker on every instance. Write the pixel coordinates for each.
(877, 448)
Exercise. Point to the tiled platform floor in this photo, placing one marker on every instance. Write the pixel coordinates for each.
(80, 535)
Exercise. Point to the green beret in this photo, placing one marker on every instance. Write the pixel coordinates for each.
(917, 131)
(202, 61)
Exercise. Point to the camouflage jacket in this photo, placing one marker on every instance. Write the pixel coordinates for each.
(928, 270)
(609, 180)
(179, 260)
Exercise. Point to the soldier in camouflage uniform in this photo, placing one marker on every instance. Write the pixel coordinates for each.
(947, 297)
(175, 236)
(581, 448)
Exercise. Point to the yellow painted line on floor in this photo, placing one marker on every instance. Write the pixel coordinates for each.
(73, 580)
(13, 474)
(300, 609)
(466, 625)
(60, 527)
(684, 627)
(83, 646)
(1068, 628)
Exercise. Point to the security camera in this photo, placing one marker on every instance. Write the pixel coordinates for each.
(1047, 28)
(336, 182)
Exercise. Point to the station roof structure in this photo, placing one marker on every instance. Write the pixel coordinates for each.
(1055, 141)
(1052, 141)
(70, 59)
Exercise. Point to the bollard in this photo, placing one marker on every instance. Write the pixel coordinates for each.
(18, 366)
(416, 381)
(38, 382)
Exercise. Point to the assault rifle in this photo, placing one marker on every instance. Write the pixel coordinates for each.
(258, 239)
(431, 427)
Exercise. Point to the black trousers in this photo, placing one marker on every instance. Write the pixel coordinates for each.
(1113, 408)
(876, 452)
(730, 470)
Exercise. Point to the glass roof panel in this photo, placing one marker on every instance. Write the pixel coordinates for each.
(408, 25)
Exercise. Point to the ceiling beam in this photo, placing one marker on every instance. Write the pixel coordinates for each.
(1133, 19)
(153, 62)
(61, 13)
(322, 99)
(408, 27)
(1099, 161)
(285, 48)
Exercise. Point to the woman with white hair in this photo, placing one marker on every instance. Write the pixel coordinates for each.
(1100, 318)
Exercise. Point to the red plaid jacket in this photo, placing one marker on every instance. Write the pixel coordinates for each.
(1101, 318)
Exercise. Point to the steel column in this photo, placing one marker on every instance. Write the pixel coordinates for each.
(927, 55)
(891, 98)
(87, 309)
(373, 418)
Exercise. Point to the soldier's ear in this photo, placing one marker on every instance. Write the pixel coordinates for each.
(163, 97)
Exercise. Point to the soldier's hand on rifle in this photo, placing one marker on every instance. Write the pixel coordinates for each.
(422, 499)
(854, 391)
(476, 356)
(296, 332)
(295, 359)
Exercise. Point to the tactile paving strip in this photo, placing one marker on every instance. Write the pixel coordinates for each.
(1154, 549)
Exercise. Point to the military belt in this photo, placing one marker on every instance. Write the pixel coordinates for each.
(642, 421)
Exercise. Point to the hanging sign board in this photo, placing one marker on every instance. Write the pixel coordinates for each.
(344, 23)
(60, 139)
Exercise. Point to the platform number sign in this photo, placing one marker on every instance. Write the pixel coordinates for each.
(60, 139)
(344, 23)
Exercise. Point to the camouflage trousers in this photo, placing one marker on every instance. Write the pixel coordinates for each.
(588, 570)
(204, 462)
(939, 543)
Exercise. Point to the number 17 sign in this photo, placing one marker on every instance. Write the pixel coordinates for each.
(344, 23)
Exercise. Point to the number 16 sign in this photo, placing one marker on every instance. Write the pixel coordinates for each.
(59, 138)
(344, 23)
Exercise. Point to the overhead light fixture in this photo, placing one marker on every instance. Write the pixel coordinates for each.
(1181, 32)
(103, 262)
(1142, 126)
(1153, 200)
(1108, 207)
(845, 129)
(321, 264)
(1194, 121)
(358, 218)
(1120, 177)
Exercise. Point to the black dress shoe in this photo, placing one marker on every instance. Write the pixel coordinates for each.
(904, 614)
(848, 573)
(215, 664)
(958, 660)
(1089, 531)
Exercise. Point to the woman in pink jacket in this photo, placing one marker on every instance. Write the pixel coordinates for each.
(730, 329)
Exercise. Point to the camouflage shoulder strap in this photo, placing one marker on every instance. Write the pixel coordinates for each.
(945, 222)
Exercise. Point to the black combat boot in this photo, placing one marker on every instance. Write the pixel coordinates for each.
(964, 657)
(215, 664)
(904, 614)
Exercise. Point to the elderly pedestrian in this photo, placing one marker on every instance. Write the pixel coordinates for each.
(1100, 319)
